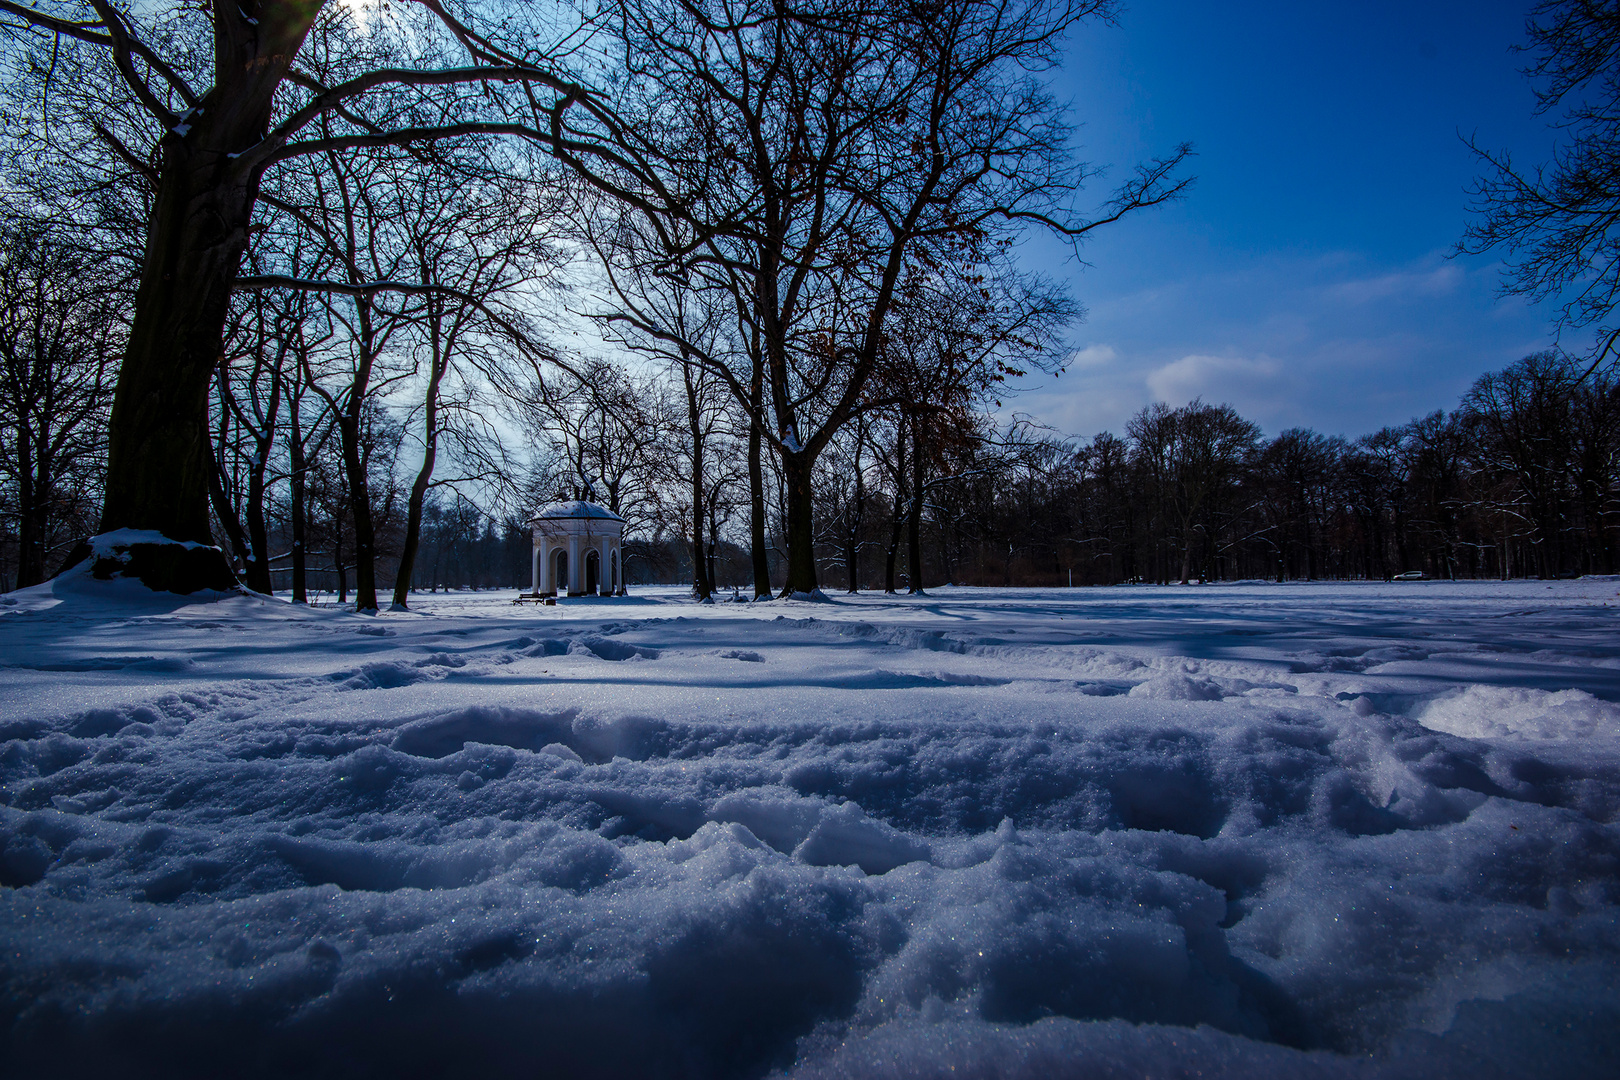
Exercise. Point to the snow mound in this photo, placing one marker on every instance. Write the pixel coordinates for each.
(1178, 687)
(1506, 712)
(132, 571)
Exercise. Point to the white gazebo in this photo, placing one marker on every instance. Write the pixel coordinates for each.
(576, 550)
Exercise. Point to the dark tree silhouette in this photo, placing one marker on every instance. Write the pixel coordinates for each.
(1559, 221)
(58, 349)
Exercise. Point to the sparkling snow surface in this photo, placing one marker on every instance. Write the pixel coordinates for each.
(1245, 831)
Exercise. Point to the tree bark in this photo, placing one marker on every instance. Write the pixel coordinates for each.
(413, 512)
(801, 568)
(158, 463)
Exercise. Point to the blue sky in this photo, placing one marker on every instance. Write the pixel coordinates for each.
(1305, 280)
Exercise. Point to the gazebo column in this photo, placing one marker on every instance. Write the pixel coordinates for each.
(574, 567)
(534, 566)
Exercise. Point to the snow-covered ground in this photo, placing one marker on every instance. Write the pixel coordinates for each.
(1257, 830)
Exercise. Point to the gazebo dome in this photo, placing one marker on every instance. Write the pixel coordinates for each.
(576, 509)
(576, 550)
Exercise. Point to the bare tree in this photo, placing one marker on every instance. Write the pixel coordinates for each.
(956, 338)
(1436, 447)
(847, 492)
(477, 243)
(353, 217)
(1296, 467)
(1557, 221)
(1191, 458)
(799, 159)
(59, 344)
(595, 418)
(1528, 417)
(705, 416)
(251, 391)
(306, 436)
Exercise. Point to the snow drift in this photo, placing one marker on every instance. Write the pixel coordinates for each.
(1260, 831)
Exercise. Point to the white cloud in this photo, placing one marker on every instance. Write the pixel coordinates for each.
(1335, 341)
(1218, 379)
(1427, 284)
(1091, 357)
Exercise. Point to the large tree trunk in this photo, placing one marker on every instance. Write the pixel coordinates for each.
(801, 568)
(158, 460)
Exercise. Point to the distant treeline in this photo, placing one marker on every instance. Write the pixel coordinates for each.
(1521, 480)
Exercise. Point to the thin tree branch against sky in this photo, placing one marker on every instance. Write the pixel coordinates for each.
(1305, 279)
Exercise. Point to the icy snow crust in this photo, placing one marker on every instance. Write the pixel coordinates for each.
(1244, 831)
